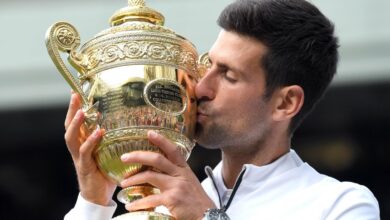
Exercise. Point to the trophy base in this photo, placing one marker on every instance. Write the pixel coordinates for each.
(144, 215)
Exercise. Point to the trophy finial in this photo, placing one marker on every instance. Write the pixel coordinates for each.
(136, 2)
(136, 11)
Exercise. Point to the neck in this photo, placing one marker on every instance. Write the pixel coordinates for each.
(233, 159)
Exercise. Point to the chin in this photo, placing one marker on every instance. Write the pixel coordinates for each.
(206, 144)
(205, 138)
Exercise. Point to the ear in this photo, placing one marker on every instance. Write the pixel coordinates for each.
(288, 102)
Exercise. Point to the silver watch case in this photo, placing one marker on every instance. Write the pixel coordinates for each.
(216, 214)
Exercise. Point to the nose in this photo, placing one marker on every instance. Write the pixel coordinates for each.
(206, 87)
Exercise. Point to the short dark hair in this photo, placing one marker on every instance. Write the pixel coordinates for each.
(302, 48)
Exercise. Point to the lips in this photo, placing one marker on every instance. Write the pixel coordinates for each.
(201, 115)
(201, 110)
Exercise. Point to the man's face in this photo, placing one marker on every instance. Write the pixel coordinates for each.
(232, 113)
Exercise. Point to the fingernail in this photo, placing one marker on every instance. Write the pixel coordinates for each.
(78, 114)
(124, 157)
(96, 133)
(152, 134)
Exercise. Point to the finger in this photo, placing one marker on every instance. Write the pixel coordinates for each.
(87, 148)
(152, 159)
(147, 202)
(171, 150)
(72, 134)
(74, 105)
(159, 180)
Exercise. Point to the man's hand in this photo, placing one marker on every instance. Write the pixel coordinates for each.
(181, 191)
(94, 187)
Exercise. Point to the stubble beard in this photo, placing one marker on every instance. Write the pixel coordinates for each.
(216, 136)
(223, 135)
(211, 137)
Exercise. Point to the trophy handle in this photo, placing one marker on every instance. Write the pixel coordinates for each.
(203, 64)
(62, 36)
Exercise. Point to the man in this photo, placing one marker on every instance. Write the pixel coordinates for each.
(270, 65)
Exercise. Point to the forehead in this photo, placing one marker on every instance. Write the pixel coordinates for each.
(238, 50)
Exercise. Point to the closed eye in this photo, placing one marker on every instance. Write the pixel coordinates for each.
(229, 76)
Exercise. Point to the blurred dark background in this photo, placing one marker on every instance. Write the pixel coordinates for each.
(347, 136)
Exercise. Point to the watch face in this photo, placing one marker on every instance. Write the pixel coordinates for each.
(216, 214)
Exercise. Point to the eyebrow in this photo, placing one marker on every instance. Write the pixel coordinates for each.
(223, 65)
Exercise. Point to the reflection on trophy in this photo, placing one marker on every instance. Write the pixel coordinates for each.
(133, 77)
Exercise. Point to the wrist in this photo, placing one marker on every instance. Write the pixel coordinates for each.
(92, 198)
(98, 191)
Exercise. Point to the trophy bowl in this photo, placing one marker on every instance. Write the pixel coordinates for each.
(133, 77)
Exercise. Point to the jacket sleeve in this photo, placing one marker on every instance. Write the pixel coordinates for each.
(84, 210)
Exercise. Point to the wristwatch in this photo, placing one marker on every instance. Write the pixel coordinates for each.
(215, 214)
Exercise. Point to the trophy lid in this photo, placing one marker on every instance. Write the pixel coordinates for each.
(136, 11)
(137, 37)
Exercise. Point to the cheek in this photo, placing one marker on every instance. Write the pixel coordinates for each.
(240, 105)
(249, 112)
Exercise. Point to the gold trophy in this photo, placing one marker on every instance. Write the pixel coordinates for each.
(133, 77)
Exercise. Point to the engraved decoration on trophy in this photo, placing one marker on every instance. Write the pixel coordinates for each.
(133, 77)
